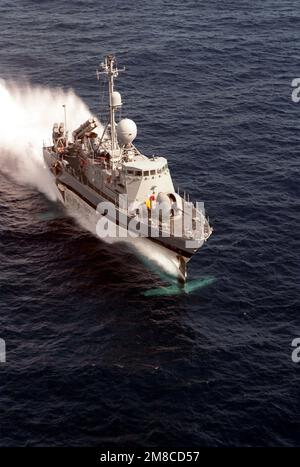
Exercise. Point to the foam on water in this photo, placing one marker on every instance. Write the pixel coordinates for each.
(27, 114)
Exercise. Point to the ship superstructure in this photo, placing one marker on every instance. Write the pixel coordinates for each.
(99, 168)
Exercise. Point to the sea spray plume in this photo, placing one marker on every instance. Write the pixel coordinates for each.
(27, 114)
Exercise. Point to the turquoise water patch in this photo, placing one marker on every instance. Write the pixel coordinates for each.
(175, 289)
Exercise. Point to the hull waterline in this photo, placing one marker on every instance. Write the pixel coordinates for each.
(166, 262)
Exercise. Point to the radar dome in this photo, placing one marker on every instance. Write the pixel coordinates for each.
(126, 131)
(116, 99)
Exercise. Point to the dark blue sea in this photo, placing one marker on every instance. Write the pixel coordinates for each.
(91, 360)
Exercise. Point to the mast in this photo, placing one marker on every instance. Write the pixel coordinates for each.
(112, 73)
(109, 68)
(65, 118)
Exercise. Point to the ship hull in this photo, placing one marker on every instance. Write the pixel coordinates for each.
(83, 200)
(151, 252)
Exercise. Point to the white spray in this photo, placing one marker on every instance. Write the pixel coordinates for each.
(27, 114)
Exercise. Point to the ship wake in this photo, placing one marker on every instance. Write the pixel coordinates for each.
(27, 114)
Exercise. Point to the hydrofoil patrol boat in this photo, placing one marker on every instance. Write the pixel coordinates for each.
(125, 194)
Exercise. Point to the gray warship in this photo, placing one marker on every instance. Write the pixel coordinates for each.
(101, 173)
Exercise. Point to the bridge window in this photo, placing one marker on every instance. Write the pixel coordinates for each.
(152, 172)
(138, 173)
(146, 173)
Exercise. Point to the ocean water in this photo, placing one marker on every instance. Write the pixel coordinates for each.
(93, 360)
